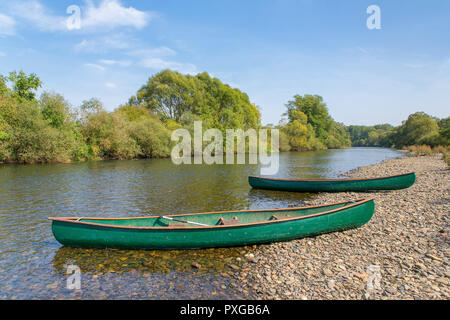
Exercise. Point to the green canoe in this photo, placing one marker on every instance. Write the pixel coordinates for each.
(218, 229)
(397, 182)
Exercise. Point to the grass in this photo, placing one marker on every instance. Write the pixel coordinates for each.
(425, 150)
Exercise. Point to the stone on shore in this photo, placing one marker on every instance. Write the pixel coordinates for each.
(402, 253)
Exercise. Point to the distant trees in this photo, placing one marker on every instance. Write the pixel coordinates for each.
(374, 136)
(49, 129)
(418, 129)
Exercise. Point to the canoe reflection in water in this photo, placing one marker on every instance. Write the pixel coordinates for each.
(119, 261)
(152, 274)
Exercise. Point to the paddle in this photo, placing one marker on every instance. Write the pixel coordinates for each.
(184, 221)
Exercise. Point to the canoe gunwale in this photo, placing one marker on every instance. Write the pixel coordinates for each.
(326, 180)
(75, 220)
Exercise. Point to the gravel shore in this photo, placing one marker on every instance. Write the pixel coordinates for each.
(402, 253)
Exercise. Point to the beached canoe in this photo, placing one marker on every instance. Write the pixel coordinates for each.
(397, 182)
(212, 229)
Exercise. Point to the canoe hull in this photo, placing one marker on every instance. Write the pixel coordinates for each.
(82, 235)
(344, 185)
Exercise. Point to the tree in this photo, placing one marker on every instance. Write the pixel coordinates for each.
(419, 128)
(300, 133)
(23, 85)
(371, 136)
(55, 109)
(316, 111)
(171, 95)
(167, 93)
(444, 131)
(152, 138)
(4, 90)
(91, 106)
(328, 133)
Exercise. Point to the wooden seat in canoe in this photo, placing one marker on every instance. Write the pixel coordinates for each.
(229, 222)
(281, 217)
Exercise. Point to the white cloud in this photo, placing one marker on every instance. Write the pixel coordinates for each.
(111, 14)
(108, 15)
(160, 64)
(153, 52)
(110, 85)
(156, 58)
(121, 63)
(95, 66)
(38, 15)
(104, 44)
(7, 25)
(2, 54)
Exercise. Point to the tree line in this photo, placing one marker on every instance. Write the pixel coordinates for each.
(418, 129)
(49, 129)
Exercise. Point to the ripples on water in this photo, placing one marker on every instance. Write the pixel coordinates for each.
(32, 263)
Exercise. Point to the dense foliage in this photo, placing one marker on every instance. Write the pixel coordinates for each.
(374, 136)
(418, 129)
(172, 96)
(49, 129)
(310, 127)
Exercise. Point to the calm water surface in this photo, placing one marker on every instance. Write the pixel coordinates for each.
(33, 264)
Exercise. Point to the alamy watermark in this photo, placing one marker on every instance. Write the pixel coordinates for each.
(373, 281)
(73, 281)
(190, 150)
(74, 21)
(374, 20)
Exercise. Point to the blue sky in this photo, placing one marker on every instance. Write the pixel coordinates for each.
(271, 50)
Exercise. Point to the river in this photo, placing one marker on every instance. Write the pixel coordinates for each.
(33, 264)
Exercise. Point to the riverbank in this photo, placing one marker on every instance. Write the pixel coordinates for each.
(406, 240)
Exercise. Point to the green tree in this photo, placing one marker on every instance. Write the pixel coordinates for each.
(150, 135)
(24, 85)
(171, 95)
(91, 106)
(444, 131)
(168, 94)
(419, 128)
(338, 137)
(371, 136)
(300, 133)
(55, 109)
(327, 132)
(316, 111)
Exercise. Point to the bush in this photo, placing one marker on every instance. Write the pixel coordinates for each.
(421, 150)
(107, 136)
(151, 136)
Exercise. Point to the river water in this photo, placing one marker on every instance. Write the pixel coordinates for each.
(33, 265)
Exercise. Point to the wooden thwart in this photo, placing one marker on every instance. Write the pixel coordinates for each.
(229, 222)
(281, 217)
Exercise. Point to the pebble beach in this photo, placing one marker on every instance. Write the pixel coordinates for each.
(402, 253)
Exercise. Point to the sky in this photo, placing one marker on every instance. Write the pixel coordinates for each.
(270, 49)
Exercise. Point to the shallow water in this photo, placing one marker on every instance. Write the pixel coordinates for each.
(33, 264)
